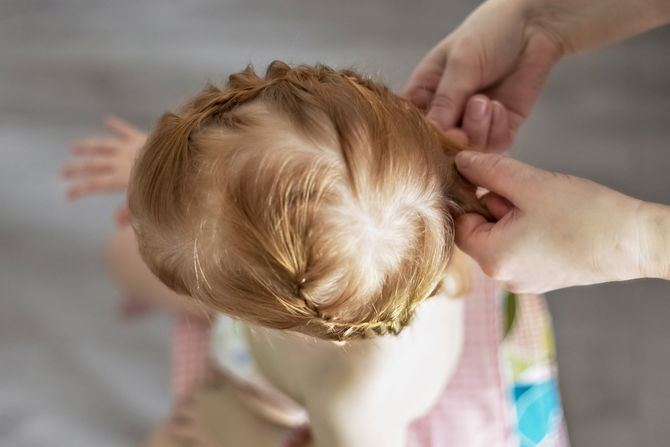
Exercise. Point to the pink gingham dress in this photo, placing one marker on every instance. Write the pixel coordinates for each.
(477, 407)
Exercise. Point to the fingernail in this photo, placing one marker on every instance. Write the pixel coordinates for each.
(465, 159)
(498, 108)
(477, 108)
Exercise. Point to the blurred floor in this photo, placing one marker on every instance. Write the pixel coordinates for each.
(72, 375)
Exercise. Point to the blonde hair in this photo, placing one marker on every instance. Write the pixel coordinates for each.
(311, 199)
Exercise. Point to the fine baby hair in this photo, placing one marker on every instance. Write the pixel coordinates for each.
(310, 199)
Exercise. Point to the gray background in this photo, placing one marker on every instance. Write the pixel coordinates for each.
(72, 374)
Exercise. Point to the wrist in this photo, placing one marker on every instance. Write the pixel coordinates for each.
(546, 19)
(654, 248)
(581, 25)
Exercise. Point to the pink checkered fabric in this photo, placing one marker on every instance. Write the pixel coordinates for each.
(191, 340)
(474, 410)
(191, 361)
(530, 325)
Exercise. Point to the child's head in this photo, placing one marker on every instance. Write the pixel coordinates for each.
(311, 199)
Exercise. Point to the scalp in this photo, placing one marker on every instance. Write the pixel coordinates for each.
(310, 199)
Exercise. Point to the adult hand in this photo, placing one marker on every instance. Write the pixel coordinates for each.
(497, 51)
(554, 231)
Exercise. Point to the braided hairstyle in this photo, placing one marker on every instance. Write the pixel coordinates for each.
(310, 199)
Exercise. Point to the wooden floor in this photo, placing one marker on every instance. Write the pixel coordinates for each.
(72, 374)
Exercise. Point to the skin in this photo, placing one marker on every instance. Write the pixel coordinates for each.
(102, 165)
(359, 393)
(126, 267)
(362, 393)
(503, 52)
(367, 392)
(589, 233)
(216, 416)
(480, 83)
(333, 381)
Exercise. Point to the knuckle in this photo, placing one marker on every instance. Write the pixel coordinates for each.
(493, 268)
(495, 163)
(443, 101)
(461, 55)
(560, 177)
(458, 60)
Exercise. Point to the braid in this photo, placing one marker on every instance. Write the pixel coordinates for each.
(335, 195)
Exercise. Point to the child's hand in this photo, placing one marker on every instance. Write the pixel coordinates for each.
(102, 165)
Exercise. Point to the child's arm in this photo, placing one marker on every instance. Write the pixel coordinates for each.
(134, 277)
(102, 165)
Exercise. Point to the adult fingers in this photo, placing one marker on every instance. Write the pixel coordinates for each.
(507, 177)
(458, 83)
(425, 78)
(477, 120)
(519, 90)
(500, 137)
(420, 97)
(458, 136)
(498, 206)
(472, 234)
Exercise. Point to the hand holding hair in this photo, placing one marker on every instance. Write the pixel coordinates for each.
(505, 49)
(554, 230)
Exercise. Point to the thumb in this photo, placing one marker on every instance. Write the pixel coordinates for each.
(502, 175)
